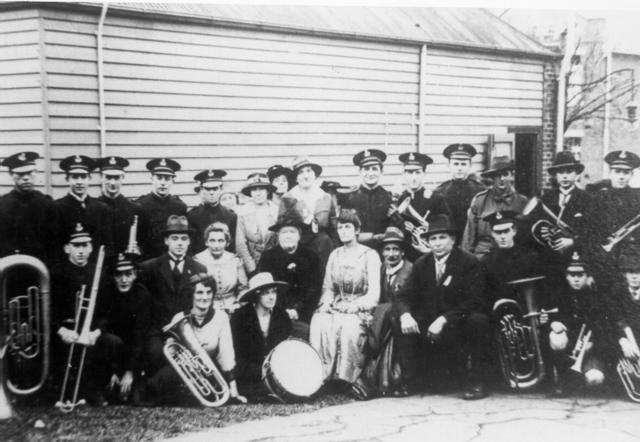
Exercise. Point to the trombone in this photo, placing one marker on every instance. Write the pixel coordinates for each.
(621, 234)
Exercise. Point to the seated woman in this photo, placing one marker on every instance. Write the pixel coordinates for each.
(213, 332)
(350, 292)
(257, 328)
(225, 267)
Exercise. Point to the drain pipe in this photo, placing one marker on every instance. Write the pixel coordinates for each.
(100, 61)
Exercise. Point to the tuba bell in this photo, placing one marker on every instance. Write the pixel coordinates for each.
(24, 331)
(192, 363)
(518, 342)
(629, 370)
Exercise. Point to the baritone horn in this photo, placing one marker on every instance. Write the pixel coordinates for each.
(629, 370)
(192, 363)
(411, 220)
(544, 231)
(621, 233)
(25, 330)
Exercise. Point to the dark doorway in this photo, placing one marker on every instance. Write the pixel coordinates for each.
(525, 156)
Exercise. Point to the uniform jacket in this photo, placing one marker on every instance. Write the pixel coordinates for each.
(458, 195)
(200, 217)
(576, 210)
(250, 345)
(253, 236)
(28, 224)
(372, 206)
(156, 211)
(167, 300)
(389, 289)
(122, 212)
(301, 270)
(458, 294)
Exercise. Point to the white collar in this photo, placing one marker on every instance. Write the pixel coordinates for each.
(76, 197)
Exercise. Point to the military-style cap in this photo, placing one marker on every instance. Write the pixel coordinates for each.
(369, 156)
(393, 235)
(257, 180)
(163, 166)
(501, 219)
(124, 263)
(577, 264)
(500, 164)
(629, 262)
(565, 160)
(210, 176)
(622, 159)
(21, 162)
(334, 187)
(304, 161)
(276, 170)
(79, 234)
(459, 151)
(112, 165)
(77, 164)
(415, 160)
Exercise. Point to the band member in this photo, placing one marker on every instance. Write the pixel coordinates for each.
(122, 210)
(350, 291)
(159, 204)
(27, 217)
(282, 179)
(212, 329)
(67, 280)
(225, 267)
(499, 197)
(78, 207)
(462, 187)
(580, 306)
(210, 210)
(370, 199)
(167, 278)
(128, 319)
(442, 306)
(252, 234)
(316, 207)
(425, 204)
(296, 265)
(257, 328)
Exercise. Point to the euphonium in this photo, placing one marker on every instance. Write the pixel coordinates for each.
(580, 349)
(621, 233)
(193, 364)
(25, 329)
(629, 370)
(519, 343)
(411, 220)
(544, 231)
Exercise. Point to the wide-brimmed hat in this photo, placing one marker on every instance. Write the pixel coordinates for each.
(177, 224)
(440, 224)
(303, 161)
(260, 281)
(499, 164)
(393, 235)
(289, 218)
(257, 180)
(565, 160)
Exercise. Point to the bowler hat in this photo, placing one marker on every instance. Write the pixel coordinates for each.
(177, 224)
(260, 281)
(566, 160)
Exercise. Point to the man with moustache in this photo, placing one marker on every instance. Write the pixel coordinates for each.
(159, 204)
(500, 196)
(27, 217)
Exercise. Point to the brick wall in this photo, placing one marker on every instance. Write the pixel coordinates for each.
(549, 116)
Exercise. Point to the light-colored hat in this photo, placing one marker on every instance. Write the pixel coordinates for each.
(260, 281)
(303, 161)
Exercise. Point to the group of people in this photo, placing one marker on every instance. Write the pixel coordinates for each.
(397, 294)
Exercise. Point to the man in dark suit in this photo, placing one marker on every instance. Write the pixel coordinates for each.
(442, 306)
(167, 278)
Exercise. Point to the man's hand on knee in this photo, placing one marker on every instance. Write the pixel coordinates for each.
(408, 325)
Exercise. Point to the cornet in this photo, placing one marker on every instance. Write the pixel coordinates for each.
(629, 370)
(580, 349)
(621, 234)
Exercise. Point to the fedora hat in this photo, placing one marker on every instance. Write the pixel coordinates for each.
(260, 281)
(257, 180)
(393, 235)
(565, 160)
(303, 161)
(440, 224)
(177, 224)
(499, 164)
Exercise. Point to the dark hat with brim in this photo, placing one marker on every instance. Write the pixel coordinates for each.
(21, 162)
(629, 262)
(415, 160)
(566, 160)
(500, 164)
(177, 224)
(112, 165)
(622, 159)
(440, 224)
(501, 218)
(261, 281)
(368, 157)
(303, 161)
(459, 151)
(393, 235)
(163, 166)
(577, 264)
(124, 262)
(277, 170)
(77, 164)
(290, 218)
(257, 181)
(79, 234)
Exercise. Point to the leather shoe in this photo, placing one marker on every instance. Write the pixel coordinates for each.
(478, 391)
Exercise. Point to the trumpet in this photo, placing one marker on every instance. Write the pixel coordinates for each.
(69, 399)
(25, 329)
(629, 370)
(132, 246)
(580, 349)
(412, 222)
(621, 234)
(545, 232)
(192, 363)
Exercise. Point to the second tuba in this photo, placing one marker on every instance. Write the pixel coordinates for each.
(193, 364)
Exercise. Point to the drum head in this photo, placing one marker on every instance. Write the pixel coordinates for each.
(297, 367)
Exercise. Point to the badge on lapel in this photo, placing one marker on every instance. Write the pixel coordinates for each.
(447, 281)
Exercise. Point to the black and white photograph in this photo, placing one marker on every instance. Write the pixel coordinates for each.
(259, 221)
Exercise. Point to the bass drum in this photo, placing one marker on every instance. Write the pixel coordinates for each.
(293, 371)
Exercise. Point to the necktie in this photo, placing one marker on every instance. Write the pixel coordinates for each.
(439, 270)
(176, 272)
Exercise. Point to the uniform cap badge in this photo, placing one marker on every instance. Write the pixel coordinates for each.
(78, 227)
(575, 256)
(623, 154)
(210, 172)
(22, 157)
(498, 215)
(163, 162)
(77, 159)
(112, 161)
(366, 153)
(411, 157)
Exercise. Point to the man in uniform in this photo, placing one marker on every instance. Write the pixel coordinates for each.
(78, 207)
(461, 188)
(159, 204)
(210, 210)
(122, 210)
(27, 217)
(370, 200)
(499, 197)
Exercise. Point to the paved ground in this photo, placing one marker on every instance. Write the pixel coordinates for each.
(500, 417)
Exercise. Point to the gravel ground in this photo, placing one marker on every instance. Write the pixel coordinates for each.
(123, 423)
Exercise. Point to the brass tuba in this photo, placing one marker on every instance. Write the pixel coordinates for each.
(629, 370)
(193, 364)
(25, 328)
(518, 343)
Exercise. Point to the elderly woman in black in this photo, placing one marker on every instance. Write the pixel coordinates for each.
(257, 328)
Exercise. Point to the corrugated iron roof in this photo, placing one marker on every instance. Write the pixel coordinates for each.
(456, 27)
